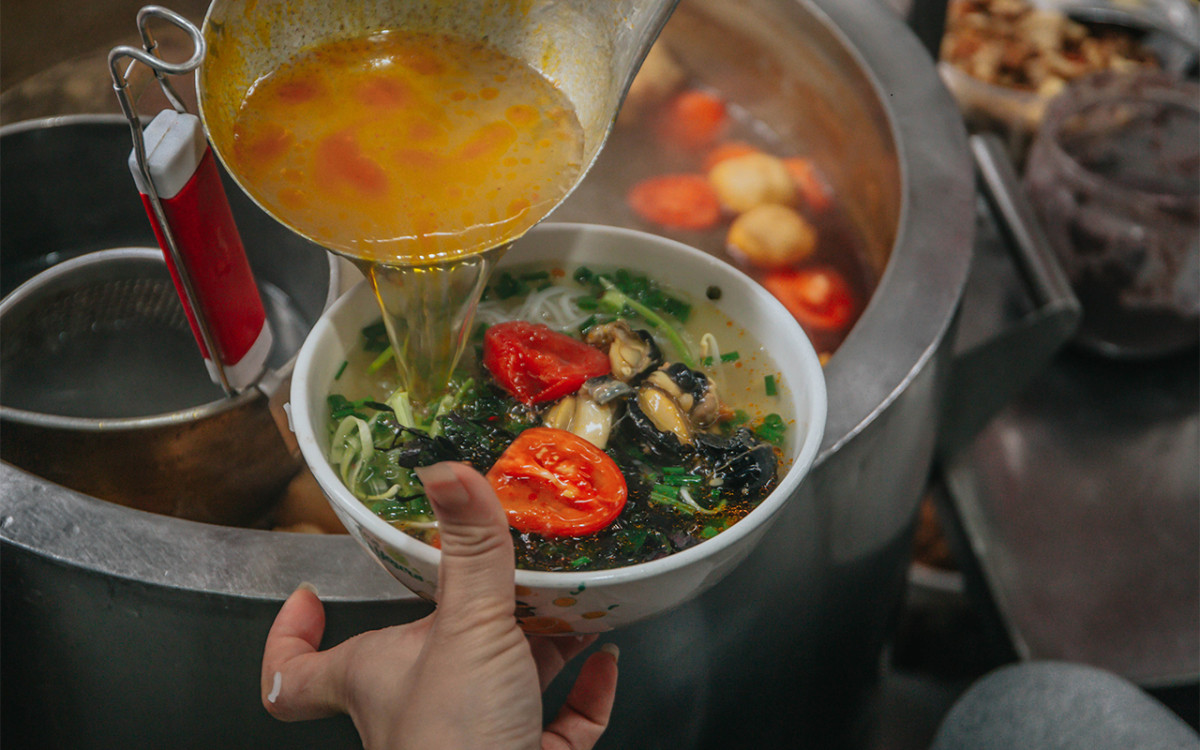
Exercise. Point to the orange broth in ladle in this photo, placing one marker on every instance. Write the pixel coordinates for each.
(406, 147)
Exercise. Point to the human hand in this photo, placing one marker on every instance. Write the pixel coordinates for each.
(466, 676)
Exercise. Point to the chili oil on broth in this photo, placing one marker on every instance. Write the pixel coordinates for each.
(655, 530)
(406, 147)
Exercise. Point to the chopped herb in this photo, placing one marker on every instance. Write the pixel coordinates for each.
(341, 369)
(400, 405)
(769, 384)
(662, 499)
(632, 539)
(677, 307)
(708, 532)
(384, 357)
(639, 288)
(731, 357)
(584, 276)
(340, 407)
(680, 499)
(707, 361)
(507, 286)
(772, 429)
(580, 561)
(401, 508)
(375, 337)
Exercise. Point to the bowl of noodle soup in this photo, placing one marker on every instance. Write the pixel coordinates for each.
(765, 366)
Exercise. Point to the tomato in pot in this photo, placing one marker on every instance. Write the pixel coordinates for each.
(677, 201)
(536, 363)
(554, 483)
(817, 297)
(693, 119)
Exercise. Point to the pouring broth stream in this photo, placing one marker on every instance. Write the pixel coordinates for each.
(420, 156)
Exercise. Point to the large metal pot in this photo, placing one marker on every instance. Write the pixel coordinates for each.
(123, 628)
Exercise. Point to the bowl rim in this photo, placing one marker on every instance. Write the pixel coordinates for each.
(809, 388)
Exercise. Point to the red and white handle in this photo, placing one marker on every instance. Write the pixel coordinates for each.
(184, 175)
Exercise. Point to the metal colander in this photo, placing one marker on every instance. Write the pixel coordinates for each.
(108, 305)
(101, 336)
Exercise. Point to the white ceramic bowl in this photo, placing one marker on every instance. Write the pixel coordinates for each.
(589, 601)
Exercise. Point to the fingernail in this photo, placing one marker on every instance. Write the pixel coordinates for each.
(308, 587)
(612, 650)
(275, 687)
(442, 485)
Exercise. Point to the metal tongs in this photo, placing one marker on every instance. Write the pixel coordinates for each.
(181, 188)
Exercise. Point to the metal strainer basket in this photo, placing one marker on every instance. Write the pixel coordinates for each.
(103, 390)
(123, 408)
(101, 336)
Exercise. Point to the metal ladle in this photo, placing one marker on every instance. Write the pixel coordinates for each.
(589, 50)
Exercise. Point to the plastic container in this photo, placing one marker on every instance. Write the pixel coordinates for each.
(1114, 174)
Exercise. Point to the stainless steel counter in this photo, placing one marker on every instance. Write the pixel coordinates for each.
(1081, 503)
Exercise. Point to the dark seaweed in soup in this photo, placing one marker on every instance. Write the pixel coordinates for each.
(687, 480)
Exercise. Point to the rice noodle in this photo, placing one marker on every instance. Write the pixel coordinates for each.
(710, 350)
(553, 306)
(421, 525)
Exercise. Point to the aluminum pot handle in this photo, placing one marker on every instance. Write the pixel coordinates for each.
(1028, 292)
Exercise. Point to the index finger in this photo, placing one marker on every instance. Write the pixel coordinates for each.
(296, 678)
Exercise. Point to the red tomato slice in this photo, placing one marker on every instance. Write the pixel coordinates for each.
(535, 363)
(693, 120)
(555, 483)
(680, 201)
(818, 297)
(814, 190)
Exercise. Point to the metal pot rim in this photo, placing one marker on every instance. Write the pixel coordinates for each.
(927, 272)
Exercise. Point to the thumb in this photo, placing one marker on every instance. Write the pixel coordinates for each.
(477, 568)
